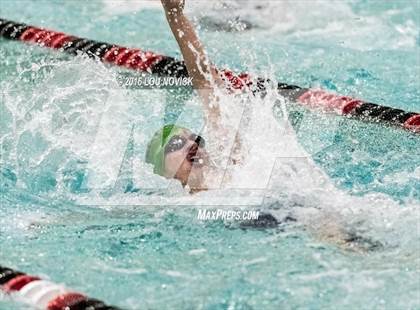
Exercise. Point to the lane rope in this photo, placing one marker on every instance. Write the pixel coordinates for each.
(45, 295)
(145, 61)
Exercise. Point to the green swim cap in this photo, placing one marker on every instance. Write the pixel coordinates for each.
(155, 153)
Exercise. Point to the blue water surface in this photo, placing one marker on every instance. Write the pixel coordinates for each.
(164, 257)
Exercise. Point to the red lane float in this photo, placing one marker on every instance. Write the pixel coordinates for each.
(145, 61)
(334, 103)
(47, 38)
(45, 295)
(17, 283)
(66, 300)
(413, 123)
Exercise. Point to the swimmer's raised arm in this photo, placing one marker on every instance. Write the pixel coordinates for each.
(200, 69)
(204, 76)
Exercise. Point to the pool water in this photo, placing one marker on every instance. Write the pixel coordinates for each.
(139, 248)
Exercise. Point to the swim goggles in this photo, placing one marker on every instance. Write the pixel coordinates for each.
(177, 142)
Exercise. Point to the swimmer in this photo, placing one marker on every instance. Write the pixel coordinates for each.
(176, 152)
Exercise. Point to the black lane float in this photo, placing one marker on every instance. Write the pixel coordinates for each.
(46, 295)
(150, 62)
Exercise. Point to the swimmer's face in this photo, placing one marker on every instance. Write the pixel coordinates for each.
(185, 158)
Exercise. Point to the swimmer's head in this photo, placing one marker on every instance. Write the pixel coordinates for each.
(175, 152)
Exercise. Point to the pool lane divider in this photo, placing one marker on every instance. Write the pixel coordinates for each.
(145, 61)
(45, 295)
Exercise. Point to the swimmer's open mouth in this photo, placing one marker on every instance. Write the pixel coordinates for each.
(196, 160)
(195, 157)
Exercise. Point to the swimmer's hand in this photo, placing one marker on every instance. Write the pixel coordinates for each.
(173, 6)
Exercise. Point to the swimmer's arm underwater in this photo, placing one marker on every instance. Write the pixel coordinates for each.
(204, 75)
